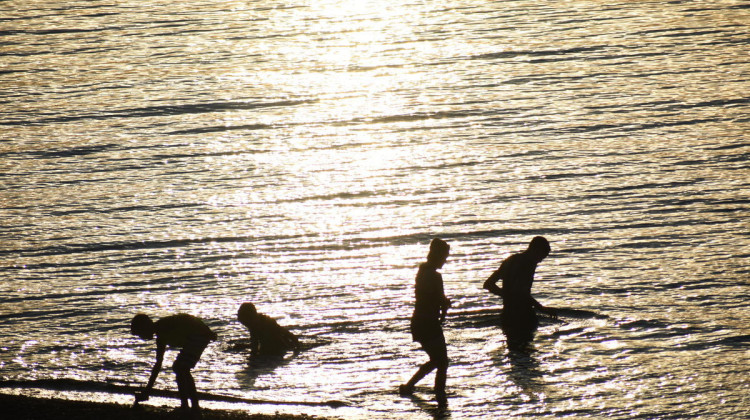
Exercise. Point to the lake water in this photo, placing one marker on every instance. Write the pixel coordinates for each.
(165, 156)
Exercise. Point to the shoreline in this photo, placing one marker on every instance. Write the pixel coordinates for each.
(21, 407)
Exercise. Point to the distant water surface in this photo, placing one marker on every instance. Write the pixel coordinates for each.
(168, 156)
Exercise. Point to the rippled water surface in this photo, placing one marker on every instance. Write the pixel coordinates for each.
(164, 156)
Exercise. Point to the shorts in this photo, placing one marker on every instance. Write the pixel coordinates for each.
(425, 329)
(519, 328)
(191, 352)
(429, 334)
(436, 350)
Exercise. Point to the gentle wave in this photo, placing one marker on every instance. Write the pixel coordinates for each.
(164, 159)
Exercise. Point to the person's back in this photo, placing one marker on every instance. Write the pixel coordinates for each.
(177, 330)
(274, 340)
(517, 274)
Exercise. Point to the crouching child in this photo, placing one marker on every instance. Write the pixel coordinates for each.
(267, 337)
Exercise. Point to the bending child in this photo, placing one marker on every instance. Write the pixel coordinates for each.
(182, 331)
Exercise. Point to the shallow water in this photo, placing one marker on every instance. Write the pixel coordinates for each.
(168, 157)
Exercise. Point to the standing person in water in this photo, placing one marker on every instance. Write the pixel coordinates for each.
(430, 309)
(519, 319)
(182, 331)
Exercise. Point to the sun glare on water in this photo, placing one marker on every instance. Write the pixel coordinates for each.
(356, 56)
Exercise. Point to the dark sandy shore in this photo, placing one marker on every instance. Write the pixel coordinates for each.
(14, 407)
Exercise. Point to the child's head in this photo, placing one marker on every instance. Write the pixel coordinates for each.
(539, 247)
(439, 250)
(142, 326)
(247, 312)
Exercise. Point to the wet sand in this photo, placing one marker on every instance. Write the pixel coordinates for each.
(31, 408)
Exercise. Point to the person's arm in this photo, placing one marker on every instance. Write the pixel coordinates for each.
(439, 294)
(144, 395)
(538, 306)
(282, 335)
(444, 305)
(491, 284)
(254, 342)
(290, 340)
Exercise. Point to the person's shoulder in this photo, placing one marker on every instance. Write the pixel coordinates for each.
(519, 257)
(165, 324)
(426, 270)
(526, 257)
(182, 317)
(169, 319)
(426, 267)
(510, 259)
(265, 320)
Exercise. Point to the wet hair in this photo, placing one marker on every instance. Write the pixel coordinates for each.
(246, 309)
(438, 249)
(540, 245)
(142, 326)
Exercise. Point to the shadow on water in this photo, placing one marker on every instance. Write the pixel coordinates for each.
(523, 368)
(430, 408)
(262, 365)
(258, 366)
(524, 371)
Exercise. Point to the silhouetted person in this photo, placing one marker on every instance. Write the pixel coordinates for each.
(430, 308)
(267, 337)
(519, 319)
(182, 331)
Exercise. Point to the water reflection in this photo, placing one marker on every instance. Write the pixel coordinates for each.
(259, 366)
(319, 144)
(525, 373)
(428, 407)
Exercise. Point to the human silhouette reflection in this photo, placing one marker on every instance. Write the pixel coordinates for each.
(259, 366)
(268, 339)
(519, 319)
(436, 412)
(524, 369)
(430, 309)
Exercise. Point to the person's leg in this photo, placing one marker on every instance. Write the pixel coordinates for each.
(192, 393)
(423, 370)
(185, 361)
(436, 349)
(439, 357)
(182, 386)
(519, 329)
(440, 379)
(187, 390)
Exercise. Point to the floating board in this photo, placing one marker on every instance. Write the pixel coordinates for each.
(578, 313)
